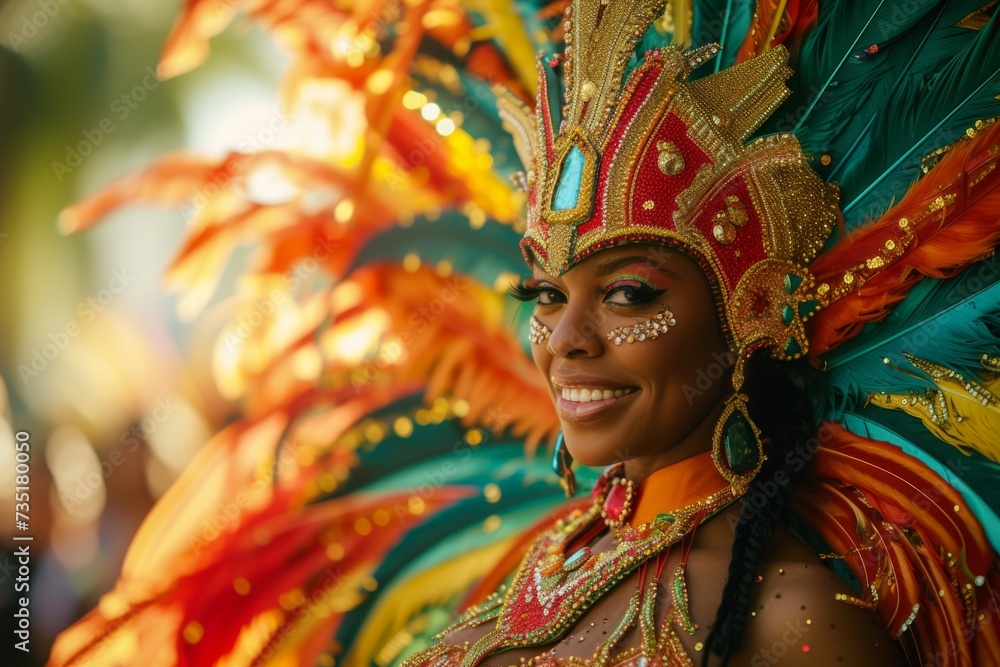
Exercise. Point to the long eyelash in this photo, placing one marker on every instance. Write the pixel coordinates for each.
(642, 293)
(523, 292)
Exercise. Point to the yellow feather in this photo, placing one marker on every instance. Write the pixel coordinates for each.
(680, 14)
(511, 34)
(963, 412)
(404, 602)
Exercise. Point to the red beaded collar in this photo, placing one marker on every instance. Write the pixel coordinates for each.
(677, 485)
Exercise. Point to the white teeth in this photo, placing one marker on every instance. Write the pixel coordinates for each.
(585, 395)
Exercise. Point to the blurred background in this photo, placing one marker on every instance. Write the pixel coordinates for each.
(91, 338)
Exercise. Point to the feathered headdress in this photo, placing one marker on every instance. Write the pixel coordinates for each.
(392, 377)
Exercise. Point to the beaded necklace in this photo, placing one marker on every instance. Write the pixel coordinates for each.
(552, 590)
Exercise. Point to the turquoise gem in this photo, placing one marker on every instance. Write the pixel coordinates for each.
(567, 193)
(792, 346)
(808, 307)
(792, 282)
(575, 559)
(741, 446)
(787, 315)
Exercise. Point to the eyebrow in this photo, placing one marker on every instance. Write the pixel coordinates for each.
(612, 264)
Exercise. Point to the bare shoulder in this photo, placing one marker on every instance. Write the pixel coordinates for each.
(800, 618)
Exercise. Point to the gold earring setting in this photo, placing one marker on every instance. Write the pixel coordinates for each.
(538, 333)
(648, 330)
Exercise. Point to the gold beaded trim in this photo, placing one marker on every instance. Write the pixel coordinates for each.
(648, 330)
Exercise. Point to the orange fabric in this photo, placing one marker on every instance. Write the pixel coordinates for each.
(678, 485)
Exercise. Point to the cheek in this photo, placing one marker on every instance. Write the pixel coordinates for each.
(540, 355)
(680, 366)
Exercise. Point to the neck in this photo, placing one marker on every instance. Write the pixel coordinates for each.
(692, 480)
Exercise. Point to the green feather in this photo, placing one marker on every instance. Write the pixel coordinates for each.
(948, 322)
(929, 110)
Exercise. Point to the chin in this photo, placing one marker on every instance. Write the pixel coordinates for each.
(592, 450)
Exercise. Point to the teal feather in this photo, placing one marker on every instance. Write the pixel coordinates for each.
(936, 109)
(707, 21)
(736, 24)
(948, 322)
(898, 60)
(838, 35)
(482, 253)
(526, 495)
(835, 98)
(839, 91)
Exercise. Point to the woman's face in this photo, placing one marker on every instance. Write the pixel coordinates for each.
(677, 380)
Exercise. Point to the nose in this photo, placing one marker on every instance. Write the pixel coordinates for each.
(578, 333)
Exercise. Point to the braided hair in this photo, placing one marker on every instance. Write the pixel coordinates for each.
(789, 423)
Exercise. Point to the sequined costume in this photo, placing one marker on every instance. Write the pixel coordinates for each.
(378, 462)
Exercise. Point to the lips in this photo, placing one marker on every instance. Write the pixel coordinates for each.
(587, 397)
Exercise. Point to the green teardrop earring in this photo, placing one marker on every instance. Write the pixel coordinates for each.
(562, 464)
(737, 450)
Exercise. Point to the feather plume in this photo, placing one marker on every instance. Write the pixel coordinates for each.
(954, 224)
(931, 538)
(960, 411)
(929, 110)
(389, 628)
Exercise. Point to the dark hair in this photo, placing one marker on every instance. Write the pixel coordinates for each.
(784, 400)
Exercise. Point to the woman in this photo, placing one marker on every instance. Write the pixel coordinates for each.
(644, 322)
(661, 431)
(688, 289)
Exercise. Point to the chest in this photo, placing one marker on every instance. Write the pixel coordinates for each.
(641, 620)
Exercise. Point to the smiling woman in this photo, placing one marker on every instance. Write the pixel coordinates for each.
(623, 337)
(723, 344)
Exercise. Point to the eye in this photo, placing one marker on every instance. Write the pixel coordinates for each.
(631, 293)
(545, 295)
(548, 296)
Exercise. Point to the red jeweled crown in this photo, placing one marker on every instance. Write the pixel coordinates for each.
(638, 154)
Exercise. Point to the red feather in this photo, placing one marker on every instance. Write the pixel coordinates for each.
(903, 529)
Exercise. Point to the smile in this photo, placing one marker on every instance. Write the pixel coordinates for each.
(581, 406)
(587, 395)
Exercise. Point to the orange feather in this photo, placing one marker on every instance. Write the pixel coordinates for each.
(952, 213)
